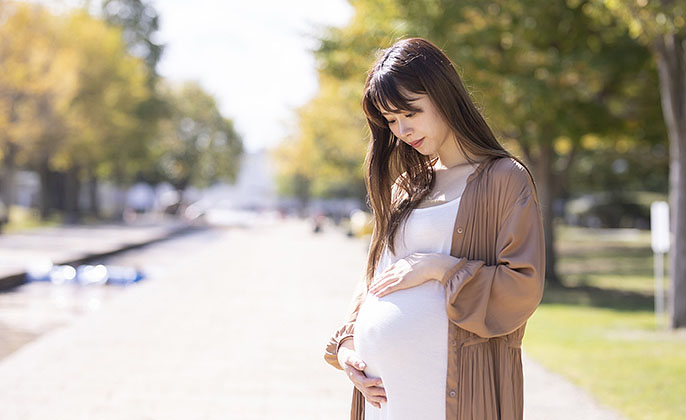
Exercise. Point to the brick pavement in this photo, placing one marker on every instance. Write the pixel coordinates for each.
(236, 332)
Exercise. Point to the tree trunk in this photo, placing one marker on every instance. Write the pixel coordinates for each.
(671, 64)
(72, 187)
(9, 169)
(302, 192)
(545, 185)
(45, 204)
(94, 202)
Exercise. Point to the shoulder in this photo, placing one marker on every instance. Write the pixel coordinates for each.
(509, 176)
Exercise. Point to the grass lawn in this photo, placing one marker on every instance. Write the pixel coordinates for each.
(599, 330)
(22, 218)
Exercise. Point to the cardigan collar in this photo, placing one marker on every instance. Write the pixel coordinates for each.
(478, 169)
(458, 227)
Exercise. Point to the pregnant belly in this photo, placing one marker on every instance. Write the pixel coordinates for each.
(404, 334)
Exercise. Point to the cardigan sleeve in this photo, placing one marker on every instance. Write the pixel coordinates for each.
(494, 300)
(348, 327)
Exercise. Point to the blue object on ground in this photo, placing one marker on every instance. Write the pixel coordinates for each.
(62, 274)
(123, 275)
(39, 270)
(91, 274)
(44, 270)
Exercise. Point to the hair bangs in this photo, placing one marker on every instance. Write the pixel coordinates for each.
(386, 95)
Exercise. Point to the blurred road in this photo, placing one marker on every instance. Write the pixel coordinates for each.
(231, 324)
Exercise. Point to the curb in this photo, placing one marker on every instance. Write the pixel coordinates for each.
(11, 281)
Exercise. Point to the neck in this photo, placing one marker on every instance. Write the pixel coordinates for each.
(450, 156)
(440, 165)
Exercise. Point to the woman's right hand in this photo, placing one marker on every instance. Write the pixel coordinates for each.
(353, 365)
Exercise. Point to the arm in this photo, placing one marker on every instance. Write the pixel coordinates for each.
(493, 300)
(348, 328)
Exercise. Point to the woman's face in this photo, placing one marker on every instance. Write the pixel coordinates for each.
(424, 130)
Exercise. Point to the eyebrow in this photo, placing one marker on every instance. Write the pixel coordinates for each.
(411, 100)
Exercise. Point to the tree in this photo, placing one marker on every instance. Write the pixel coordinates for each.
(37, 84)
(661, 26)
(546, 75)
(140, 22)
(108, 137)
(323, 156)
(550, 77)
(72, 93)
(197, 145)
(328, 147)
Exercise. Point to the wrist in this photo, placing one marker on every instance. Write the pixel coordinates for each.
(343, 345)
(442, 264)
(347, 342)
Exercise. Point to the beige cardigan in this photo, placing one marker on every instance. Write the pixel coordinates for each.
(490, 294)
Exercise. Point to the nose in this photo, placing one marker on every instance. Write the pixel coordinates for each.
(404, 129)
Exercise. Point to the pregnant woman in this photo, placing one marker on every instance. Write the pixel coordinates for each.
(457, 257)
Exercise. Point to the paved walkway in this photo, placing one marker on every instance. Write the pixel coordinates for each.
(235, 330)
(548, 396)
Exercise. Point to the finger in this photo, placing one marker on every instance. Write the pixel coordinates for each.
(375, 400)
(375, 283)
(355, 362)
(368, 382)
(362, 382)
(388, 289)
(377, 391)
(374, 288)
(382, 279)
(356, 376)
(380, 285)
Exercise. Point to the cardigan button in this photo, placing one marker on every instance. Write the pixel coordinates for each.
(452, 393)
(454, 343)
(459, 230)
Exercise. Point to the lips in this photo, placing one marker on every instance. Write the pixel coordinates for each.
(415, 144)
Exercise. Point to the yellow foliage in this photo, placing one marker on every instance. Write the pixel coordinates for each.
(590, 141)
(623, 145)
(69, 89)
(562, 145)
(330, 142)
(38, 77)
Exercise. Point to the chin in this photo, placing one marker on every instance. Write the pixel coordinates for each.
(426, 151)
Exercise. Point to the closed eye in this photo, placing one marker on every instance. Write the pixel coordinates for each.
(407, 115)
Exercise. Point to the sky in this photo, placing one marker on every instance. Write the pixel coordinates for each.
(252, 56)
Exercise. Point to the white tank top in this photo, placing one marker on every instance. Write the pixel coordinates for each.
(402, 337)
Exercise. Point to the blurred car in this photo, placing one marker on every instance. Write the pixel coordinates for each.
(612, 209)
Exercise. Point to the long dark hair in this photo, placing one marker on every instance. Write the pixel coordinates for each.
(397, 176)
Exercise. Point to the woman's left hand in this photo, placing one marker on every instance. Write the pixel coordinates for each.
(405, 273)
